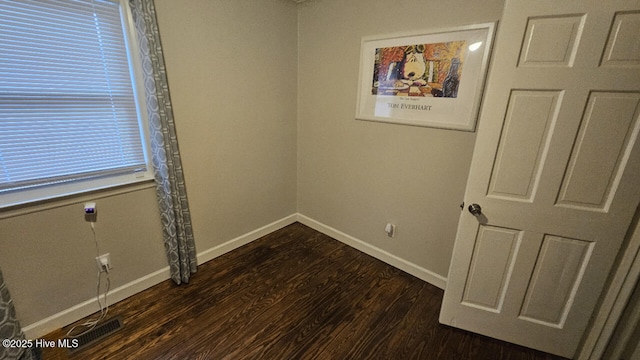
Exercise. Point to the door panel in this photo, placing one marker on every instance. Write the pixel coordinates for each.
(524, 144)
(555, 171)
(556, 277)
(623, 46)
(491, 267)
(565, 31)
(607, 134)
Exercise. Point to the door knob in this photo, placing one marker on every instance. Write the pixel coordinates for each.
(475, 209)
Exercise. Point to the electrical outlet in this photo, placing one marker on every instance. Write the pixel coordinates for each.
(90, 212)
(390, 229)
(103, 262)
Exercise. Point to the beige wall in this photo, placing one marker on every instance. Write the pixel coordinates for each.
(264, 98)
(232, 74)
(48, 250)
(355, 176)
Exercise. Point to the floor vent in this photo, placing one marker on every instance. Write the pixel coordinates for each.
(99, 332)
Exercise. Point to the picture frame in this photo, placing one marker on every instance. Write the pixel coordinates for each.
(428, 78)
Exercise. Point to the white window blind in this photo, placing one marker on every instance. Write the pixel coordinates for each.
(67, 104)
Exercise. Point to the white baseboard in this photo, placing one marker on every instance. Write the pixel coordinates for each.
(77, 312)
(241, 240)
(404, 265)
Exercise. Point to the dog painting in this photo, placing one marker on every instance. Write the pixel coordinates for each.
(419, 70)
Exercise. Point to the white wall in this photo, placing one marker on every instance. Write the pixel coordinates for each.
(355, 176)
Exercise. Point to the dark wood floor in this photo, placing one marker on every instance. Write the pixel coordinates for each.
(293, 294)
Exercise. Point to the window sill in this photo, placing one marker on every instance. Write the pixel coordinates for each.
(43, 205)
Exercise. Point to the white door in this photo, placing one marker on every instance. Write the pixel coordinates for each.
(556, 172)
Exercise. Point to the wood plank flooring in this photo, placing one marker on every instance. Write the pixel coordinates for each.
(293, 294)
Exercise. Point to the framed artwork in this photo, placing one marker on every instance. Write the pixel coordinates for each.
(430, 79)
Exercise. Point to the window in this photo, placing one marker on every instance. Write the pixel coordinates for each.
(70, 119)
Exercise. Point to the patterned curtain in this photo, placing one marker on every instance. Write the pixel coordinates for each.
(10, 328)
(171, 191)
